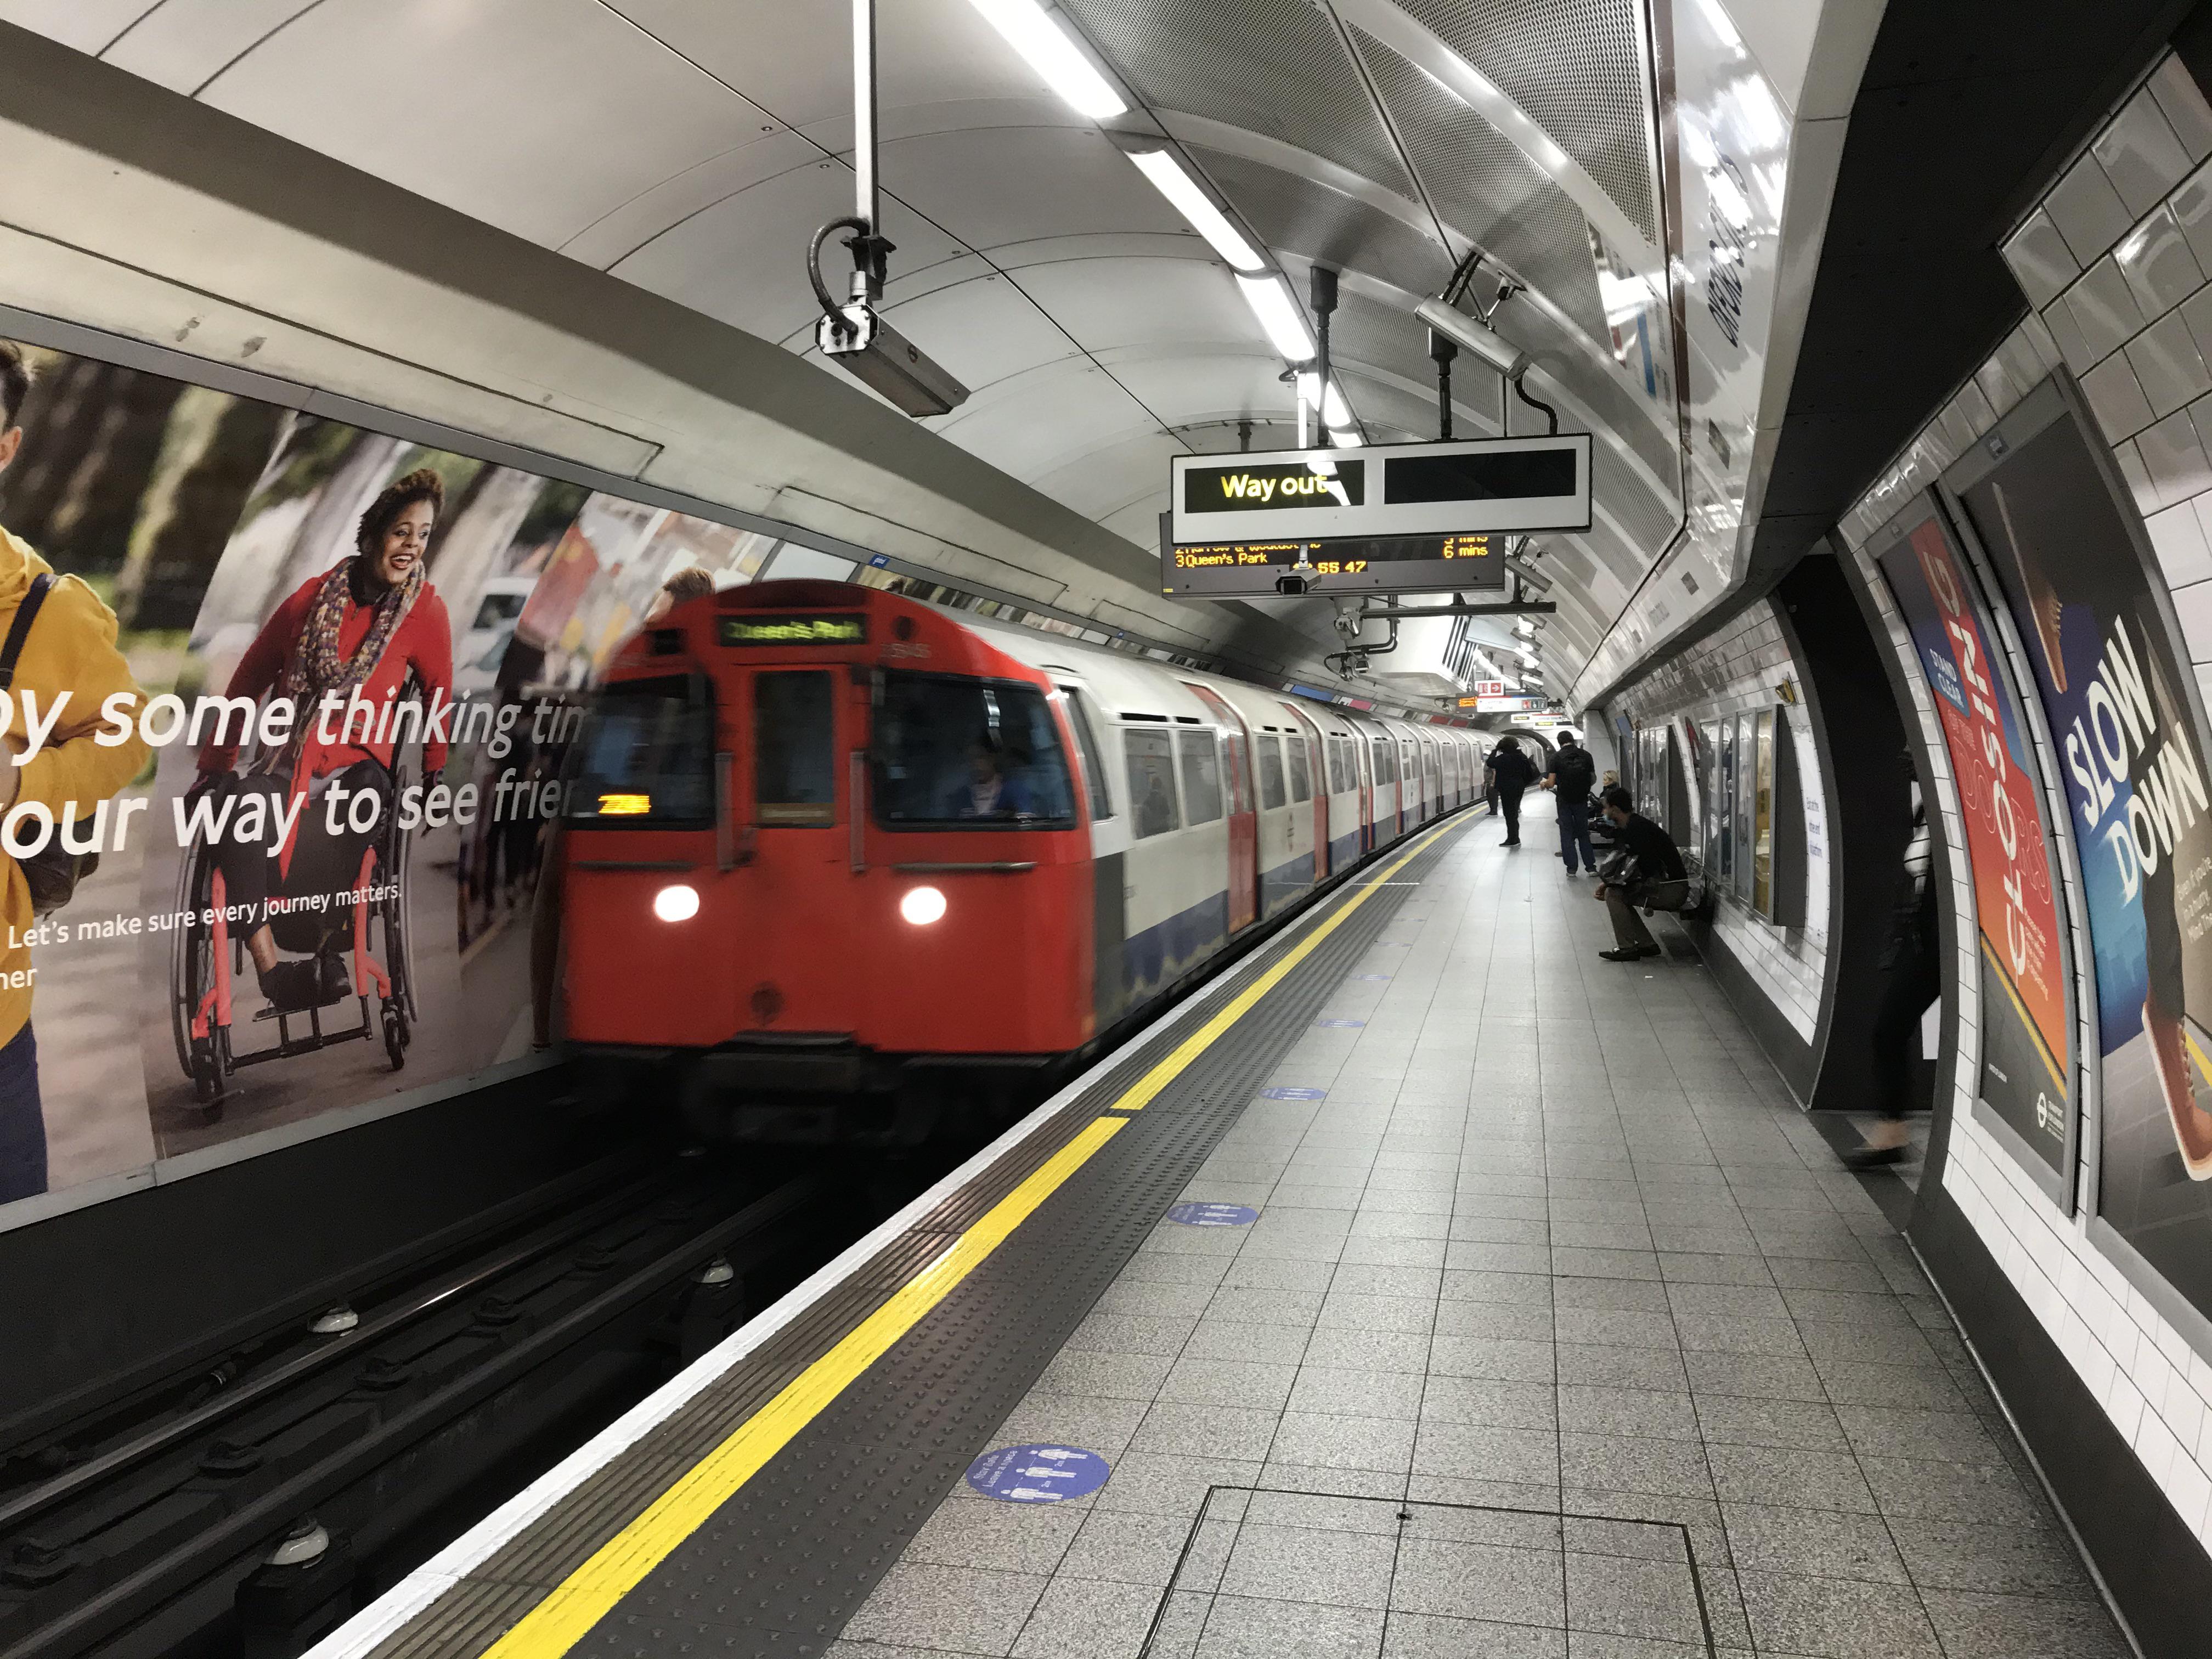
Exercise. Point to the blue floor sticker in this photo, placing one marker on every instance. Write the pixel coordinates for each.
(1038, 1475)
(1339, 1023)
(1214, 1215)
(1371, 976)
(1293, 1094)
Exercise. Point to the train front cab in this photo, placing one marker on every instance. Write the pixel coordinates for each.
(781, 776)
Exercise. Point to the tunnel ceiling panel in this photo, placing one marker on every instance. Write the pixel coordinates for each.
(983, 331)
(739, 260)
(89, 25)
(1047, 418)
(1278, 67)
(790, 56)
(1483, 186)
(1114, 301)
(477, 106)
(1114, 475)
(1308, 218)
(992, 186)
(1576, 66)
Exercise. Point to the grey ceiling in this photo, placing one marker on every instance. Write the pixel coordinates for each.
(690, 148)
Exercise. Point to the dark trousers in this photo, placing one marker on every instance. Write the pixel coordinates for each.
(22, 1121)
(1629, 933)
(1574, 833)
(321, 862)
(1509, 801)
(1913, 984)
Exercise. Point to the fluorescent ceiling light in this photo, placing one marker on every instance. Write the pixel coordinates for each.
(1278, 313)
(1195, 205)
(1046, 49)
(1337, 416)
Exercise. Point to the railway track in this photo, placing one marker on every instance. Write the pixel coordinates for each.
(241, 1509)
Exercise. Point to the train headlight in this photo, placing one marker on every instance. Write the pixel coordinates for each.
(676, 903)
(922, 905)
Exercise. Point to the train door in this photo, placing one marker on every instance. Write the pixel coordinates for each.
(788, 801)
(1433, 785)
(1317, 769)
(1243, 816)
(1362, 787)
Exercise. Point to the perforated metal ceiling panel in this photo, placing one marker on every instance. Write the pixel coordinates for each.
(1487, 190)
(1278, 67)
(1576, 67)
(1309, 219)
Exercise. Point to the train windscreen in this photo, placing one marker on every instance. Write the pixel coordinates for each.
(968, 754)
(646, 758)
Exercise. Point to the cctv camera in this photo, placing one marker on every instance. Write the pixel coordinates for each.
(1291, 585)
(1456, 325)
(878, 355)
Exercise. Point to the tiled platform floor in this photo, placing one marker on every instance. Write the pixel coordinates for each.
(1555, 1241)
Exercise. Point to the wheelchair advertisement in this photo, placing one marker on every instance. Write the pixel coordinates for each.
(287, 702)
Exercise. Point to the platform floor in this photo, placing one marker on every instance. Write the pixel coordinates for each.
(1559, 1334)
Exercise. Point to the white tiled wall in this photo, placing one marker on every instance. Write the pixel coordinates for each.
(2115, 264)
(1738, 669)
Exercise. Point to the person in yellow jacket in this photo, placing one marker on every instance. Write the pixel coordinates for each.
(71, 648)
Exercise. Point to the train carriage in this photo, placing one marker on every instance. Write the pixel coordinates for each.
(839, 865)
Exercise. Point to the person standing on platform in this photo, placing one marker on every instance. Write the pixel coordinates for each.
(1571, 774)
(67, 652)
(1514, 772)
(1651, 874)
(1911, 954)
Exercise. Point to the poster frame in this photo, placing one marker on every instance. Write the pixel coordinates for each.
(2061, 1185)
(2057, 398)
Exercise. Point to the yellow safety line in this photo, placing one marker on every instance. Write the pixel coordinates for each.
(1237, 1007)
(589, 1594)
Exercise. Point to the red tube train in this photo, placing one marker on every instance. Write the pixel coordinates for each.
(843, 867)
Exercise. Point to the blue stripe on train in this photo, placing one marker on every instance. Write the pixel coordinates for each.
(1167, 949)
(1284, 882)
(1342, 851)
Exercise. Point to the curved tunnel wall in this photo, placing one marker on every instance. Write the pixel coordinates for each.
(2081, 1272)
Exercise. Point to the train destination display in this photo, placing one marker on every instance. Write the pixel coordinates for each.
(1398, 518)
(1340, 564)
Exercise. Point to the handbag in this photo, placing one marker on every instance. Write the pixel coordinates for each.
(52, 872)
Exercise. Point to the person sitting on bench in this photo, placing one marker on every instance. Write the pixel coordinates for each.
(1648, 872)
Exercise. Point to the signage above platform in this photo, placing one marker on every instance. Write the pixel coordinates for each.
(1404, 564)
(1483, 486)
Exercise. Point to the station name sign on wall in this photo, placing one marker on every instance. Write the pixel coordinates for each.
(1391, 518)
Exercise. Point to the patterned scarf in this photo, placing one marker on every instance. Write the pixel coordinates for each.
(315, 667)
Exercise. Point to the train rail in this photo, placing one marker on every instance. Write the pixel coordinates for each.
(243, 1522)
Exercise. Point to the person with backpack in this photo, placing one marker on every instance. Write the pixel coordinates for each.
(59, 640)
(1513, 772)
(1571, 774)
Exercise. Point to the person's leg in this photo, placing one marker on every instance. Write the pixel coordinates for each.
(247, 869)
(1895, 1039)
(1511, 800)
(22, 1121)
(1583, 837)
(1629, 933)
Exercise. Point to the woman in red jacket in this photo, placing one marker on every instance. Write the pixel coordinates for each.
(344, 644)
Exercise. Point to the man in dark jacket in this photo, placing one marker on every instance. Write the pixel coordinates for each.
(1572, 773)
(1652, 875)
(1514, 772)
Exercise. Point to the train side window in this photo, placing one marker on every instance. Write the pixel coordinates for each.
(1200, 764)
(1301, 779)
(1150, 757)
(1386, 760)
(1339, 763)
(794, 765)
(956, 753)
(1271, 771)
(1094, 774)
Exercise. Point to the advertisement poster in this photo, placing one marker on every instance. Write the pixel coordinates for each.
(2027, 1050)
(2115, 690)
(303, 690)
